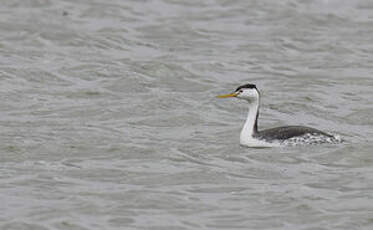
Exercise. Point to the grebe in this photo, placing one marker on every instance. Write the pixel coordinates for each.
(288, 135)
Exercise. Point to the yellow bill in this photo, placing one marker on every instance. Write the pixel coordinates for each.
(227, 95)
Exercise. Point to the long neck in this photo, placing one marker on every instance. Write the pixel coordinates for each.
(251, 124)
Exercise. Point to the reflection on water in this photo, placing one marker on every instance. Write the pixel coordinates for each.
(109, 117)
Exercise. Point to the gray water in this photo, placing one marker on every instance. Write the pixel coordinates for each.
(109, 119)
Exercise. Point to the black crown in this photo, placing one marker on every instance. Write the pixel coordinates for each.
(247, 86)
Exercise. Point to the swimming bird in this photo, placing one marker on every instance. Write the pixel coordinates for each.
(252, 137)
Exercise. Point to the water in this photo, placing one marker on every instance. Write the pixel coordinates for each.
(109, 118)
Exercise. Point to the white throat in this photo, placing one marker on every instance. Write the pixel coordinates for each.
(249, 128)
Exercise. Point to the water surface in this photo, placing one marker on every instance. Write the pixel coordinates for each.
(109, 118)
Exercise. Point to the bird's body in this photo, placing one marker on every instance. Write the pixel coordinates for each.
(286, 132)
(252, 137)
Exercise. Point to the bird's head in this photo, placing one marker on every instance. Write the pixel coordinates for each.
(247, 92)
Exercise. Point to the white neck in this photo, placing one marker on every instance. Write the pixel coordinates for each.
(250, 126)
